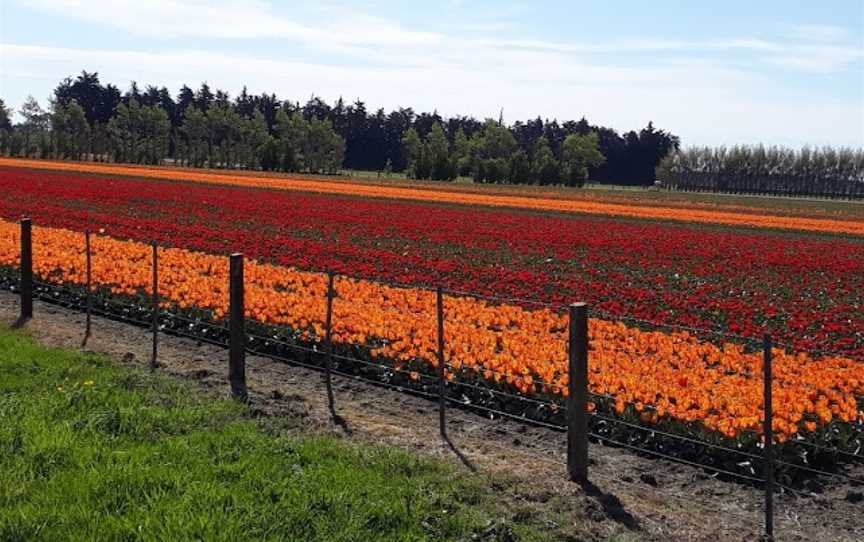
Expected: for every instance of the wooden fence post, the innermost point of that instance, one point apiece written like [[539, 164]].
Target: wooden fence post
[[442, 380], [26, 262], [768, 431], [577, 396], [155, 307], [89, 275], [237, 347], [328, 339]]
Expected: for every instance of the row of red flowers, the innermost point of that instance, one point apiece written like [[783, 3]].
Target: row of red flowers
[[808, 289]]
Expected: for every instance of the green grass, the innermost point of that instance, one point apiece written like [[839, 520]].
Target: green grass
[[91, 451]]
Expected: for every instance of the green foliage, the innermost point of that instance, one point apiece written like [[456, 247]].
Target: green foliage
[[34, 130], [209, 129], [462, 152], [578, 153], [69, 129], [5, 117], [430, 158], [139, 134], [89, 451], [438, 150], [519, 168], [308, 145], [544, 167], [760, 169], [495, 141], [268, 153], [197, 147]]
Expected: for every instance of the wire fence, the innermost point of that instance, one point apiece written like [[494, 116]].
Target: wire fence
[[504, 361]]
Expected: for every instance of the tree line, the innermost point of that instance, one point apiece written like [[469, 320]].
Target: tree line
[[86, 119], [757, 169], [493, 155]]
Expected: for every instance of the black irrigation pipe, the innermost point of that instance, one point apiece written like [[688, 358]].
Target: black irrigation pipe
[[75, 301], [827, 449], [116, 316], [675, 459], [648, 406], [676, 437], [806, 444], [47, 297], [469, 405], [486, 389], [310, 366], [454, 384], [789, 444], [279, 342], [385, 367], [197, 322], [198, 338], [820, 472], [501, 413], [319, 368]]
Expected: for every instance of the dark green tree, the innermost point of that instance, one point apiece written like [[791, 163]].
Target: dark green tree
[[578, 153], [544, 167]]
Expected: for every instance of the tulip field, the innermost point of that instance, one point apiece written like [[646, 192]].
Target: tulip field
[[675, 293]]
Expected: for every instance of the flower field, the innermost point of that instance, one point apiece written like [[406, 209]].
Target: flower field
[[686, 211], [807, 290], [676, 375]]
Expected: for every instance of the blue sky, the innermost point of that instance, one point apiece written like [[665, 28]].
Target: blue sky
[[779, 72]]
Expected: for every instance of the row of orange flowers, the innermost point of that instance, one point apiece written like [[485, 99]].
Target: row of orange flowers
[[675, 375], [443, 195]]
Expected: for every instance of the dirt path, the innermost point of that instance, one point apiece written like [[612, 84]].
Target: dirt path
[[646, 499]]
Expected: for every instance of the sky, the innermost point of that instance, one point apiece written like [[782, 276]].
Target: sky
[[784, 72]]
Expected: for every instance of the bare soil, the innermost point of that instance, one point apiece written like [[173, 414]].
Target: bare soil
[[630, 498]]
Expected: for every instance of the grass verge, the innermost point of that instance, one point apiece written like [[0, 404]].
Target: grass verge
[[92, 451]]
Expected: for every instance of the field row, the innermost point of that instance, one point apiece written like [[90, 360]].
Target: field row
[[806, 290], [585, 206], [667, 376]]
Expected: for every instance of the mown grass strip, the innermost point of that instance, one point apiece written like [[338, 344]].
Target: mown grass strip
[[91, 451]]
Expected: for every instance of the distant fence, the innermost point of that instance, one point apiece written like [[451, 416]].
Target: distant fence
[[773, 185], [566, 411]]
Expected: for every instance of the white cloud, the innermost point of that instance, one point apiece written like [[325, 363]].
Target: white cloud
[[347, 31], [817, 60], [818, 32], [702, 103], [231, 19], [731, 92], [176, 18]]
